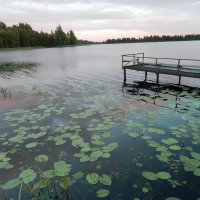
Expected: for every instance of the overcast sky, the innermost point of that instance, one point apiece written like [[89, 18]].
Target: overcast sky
[[101, 19]]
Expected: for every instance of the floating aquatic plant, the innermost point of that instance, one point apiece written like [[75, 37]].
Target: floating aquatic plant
[[41, 158], [155, 176], [93, 178], [102, 193]]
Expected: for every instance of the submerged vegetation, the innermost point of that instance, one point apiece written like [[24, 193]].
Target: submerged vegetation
[[14, 66]]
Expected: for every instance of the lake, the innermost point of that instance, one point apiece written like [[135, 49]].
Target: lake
[[69, 130]]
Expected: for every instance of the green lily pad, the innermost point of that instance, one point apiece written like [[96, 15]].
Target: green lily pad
[[133, 134], [62, 168], [145, 190], [150, 176], [172, 198], [163, 175], [153, 143], [78, 175], [11, 184], [169, 141], [161, 148], [110, 147], [31, 145], [96, 154], [106, 155], [102, 193], [84, 158], [197, 172], [106, 180], [156, 130], [175, 147], [93, 178], [162, 158], [48, 174], [41, 158], [196, 155], [27, 176]]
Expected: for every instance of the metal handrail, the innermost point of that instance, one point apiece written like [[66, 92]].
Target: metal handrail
[[170, 58], [154, 58], [132, 54]]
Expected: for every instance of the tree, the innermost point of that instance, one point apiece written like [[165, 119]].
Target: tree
[[2, 25], [72, 38], [60, 36]]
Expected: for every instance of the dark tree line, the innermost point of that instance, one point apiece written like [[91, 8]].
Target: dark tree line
[[155, 38], [22, 35]]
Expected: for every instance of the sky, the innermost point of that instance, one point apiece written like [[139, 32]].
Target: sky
[[98, 20]]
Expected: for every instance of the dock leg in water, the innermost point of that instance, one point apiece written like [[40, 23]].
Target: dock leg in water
[[124, 76], [157, 80], [179, 82], [145, 76]]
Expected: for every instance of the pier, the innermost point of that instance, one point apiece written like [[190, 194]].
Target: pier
[[171, 66]]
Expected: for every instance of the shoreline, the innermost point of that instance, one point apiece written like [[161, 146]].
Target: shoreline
[[77, 45]]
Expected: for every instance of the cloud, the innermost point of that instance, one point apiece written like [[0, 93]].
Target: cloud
[[92, 16]]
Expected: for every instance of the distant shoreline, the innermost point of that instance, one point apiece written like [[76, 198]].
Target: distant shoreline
[[40, 47], [77, 45]]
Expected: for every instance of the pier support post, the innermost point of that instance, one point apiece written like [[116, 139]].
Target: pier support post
[[124, 76], [145, 76], [157, 80], [179, 81]]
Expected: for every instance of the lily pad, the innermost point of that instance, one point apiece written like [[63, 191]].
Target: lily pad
[[78, 175], [93, 178], [27, 176], [11, 184], [106, 180], [41, 158], [175, 147], [196, 155], [145, 190], [84, 158], [150, 176], [31, 145], [133, 134], [197, 172], [102, 193], [163, 175], [48, 174], [62, 168], [169, 141]]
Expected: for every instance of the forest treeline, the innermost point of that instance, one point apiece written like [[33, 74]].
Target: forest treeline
[[22, 35], [155, 38]]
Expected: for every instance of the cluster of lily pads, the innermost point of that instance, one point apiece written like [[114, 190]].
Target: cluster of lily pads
[[155, 176], [95, 178], [84, 128]]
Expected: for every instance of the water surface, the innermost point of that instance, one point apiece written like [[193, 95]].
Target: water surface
[[141, 142]]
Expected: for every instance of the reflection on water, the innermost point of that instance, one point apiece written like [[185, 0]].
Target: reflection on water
[[70, 128]]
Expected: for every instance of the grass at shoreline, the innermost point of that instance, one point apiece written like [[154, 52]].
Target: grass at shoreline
[[15, 66]]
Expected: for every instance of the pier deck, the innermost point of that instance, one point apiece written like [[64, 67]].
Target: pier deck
[[170, 66]]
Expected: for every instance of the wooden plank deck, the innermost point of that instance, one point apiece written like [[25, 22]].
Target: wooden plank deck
[[170, 66]]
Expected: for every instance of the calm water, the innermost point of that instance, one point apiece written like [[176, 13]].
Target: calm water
[[68, 122]]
